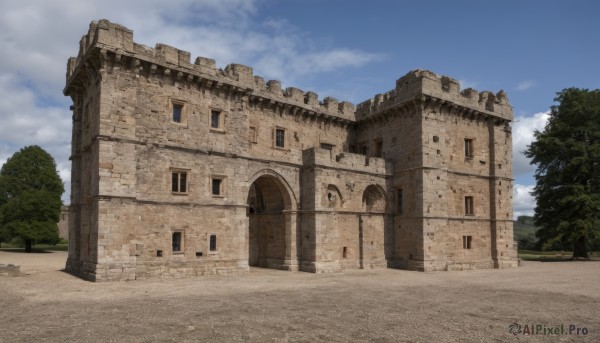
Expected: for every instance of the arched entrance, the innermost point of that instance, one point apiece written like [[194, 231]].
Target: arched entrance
[[371, 231], [272, 224]]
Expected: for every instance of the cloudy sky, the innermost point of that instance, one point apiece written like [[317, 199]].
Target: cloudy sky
[[348, 49]]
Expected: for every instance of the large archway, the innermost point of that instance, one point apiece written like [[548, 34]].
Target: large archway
[[271, 224]]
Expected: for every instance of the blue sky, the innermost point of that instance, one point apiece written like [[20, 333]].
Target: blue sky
[[348, 49]]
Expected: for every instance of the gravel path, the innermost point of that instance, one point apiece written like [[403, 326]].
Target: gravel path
[[387, 305]]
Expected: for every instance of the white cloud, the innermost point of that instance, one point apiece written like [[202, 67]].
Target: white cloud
[[525, 85], [523, 129], [464, 84], [37, 37], [5, 153], [25, 123], [523, 201]]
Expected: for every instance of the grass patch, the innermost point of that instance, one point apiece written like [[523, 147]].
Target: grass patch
[[548, 256], [552, 256]]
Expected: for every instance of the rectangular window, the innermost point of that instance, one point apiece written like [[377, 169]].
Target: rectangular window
[[468, 148], [252, 134], [179, 182], [213, 243], [215, 119], [469, 211], [177, 241], [467, 242], [327, 146], [399, 201], [177, 113], [379, 148], [216, 186], [364, 149], [345, 252], [280, 138]]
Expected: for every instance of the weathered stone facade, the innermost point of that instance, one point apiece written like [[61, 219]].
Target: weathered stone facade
[[182, 169]]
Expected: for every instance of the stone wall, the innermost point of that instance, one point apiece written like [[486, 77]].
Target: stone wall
[[183, 169], [63, 223], [348, 205]]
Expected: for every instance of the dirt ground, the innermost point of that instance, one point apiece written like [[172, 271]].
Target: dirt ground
[[49, 305]]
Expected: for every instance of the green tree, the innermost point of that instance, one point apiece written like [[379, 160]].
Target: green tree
[[30, 191], [567, 154]]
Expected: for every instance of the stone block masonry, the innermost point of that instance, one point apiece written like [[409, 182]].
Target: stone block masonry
[[182, 169]]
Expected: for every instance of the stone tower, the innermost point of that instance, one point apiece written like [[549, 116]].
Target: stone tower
[[452, 176]]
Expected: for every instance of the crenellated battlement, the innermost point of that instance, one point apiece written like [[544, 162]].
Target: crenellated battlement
[[117, 41], [422, 84]]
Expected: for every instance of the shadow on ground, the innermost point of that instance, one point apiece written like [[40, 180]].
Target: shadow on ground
[[22, 250]]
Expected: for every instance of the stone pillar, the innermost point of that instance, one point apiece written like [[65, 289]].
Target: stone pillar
[[361, 243], [291, 252]]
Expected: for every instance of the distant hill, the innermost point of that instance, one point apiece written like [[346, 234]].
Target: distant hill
[[523, 227]]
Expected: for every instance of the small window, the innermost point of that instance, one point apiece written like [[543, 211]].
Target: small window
[[217, 185], [364, 149], [469, 211], [213, 243], [177, 113], [177, 241], [327, 146], [345, 252], [179, 182], [467, 242], [252, 134], [399, 201], [280, 138], [215, 120], [468, 148], [379, 148]]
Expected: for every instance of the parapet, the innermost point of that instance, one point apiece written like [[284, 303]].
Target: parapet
[[419, 83], [415, 85], [309, 100], [117, 39], [316, 156]]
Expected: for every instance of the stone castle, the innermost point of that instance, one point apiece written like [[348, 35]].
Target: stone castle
[[182, 169]]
